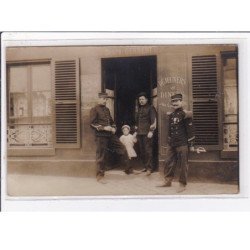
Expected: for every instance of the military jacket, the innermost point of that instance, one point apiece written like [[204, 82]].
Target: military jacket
[[99, 118], [181, 129], [145, 119]]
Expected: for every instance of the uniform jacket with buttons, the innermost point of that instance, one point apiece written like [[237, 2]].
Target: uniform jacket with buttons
[[145, 119], [181, 129], [99, 118]]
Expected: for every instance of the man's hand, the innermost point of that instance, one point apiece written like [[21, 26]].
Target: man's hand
[[197, 150], [113, 130], [200, 150], [108, 128], [150, 134], [188, 114]]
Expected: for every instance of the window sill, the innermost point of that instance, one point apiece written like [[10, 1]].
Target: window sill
[[229, 154], [31, 151]]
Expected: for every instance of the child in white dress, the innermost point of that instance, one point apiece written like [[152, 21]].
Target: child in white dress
[[129, 140]]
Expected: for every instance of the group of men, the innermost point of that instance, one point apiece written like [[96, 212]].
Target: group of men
[[180, 137]]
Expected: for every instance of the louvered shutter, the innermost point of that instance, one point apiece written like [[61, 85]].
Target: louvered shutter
[[66, 103], [205, 91]]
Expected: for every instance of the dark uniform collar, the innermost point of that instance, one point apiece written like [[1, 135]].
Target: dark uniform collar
[[179, 109], [146, 105]]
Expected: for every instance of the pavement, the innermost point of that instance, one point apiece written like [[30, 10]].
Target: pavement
[[117, 184]]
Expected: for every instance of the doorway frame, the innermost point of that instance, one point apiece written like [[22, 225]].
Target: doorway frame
[[152, 95], [103, 73]]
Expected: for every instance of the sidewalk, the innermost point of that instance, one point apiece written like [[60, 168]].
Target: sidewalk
[[118, 183]]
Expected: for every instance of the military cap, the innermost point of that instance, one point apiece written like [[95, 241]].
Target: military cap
[[142, 94], [126, 126], [102, 95], [176, 97]]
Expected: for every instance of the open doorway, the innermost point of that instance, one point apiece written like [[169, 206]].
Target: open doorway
[[123, 79]]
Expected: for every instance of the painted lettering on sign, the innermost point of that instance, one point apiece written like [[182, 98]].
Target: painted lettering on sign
[[168, 86], [171, 80], [135, 51]]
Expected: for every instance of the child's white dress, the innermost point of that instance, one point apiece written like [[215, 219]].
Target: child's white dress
[[128, 141]]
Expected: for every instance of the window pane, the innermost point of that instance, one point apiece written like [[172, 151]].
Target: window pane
[[41, 103], [41, 93], [230, 89], [41, 77], [18, 98], [18, 79], [18, 105]]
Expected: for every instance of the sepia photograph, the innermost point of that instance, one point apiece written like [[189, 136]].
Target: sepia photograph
[[122, 117], [113, 120]]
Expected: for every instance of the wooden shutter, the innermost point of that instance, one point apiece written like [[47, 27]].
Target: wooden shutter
[[205, 100], [67, 102]]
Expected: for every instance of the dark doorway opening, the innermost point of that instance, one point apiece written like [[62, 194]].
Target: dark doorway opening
[[125, 78]]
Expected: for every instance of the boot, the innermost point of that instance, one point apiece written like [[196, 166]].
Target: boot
[[182, 188], [100, 179], [167, 183], [135, 172]]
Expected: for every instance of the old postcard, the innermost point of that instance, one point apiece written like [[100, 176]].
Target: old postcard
[[110, 119]]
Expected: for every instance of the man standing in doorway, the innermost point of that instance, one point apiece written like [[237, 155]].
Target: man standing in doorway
[[106, 140], [145, 125]]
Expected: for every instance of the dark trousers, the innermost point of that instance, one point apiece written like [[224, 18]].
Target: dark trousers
[[177, 156], [106, 145], [146, 151]]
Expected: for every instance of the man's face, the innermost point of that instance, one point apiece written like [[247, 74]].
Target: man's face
[[176, 104], [143, 100], [102, 101]]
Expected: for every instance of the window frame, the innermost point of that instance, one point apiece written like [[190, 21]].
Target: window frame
[[29, 151], [224, 55]]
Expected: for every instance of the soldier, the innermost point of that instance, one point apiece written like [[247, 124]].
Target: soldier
[[145, 125], [106, 140], [180, 136]]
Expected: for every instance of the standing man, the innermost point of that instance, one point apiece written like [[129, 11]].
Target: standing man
[[180, 136], [145, 125], [106, 140]]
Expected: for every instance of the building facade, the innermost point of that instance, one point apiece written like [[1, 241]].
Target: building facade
[[50, 91]]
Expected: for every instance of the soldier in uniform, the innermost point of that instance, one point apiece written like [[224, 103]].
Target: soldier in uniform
[[180, 136], [145, 125], [106, 140]]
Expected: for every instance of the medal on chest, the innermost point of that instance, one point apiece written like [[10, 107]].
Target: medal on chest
[[176, 120]]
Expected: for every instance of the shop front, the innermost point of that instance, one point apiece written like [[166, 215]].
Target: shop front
[[50, 91]]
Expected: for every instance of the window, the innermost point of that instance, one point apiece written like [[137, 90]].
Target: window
[[230, 84], [29, 105]]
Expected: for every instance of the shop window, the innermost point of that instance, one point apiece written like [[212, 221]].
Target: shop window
[[29, 105]]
